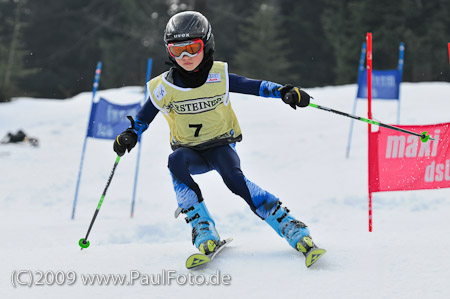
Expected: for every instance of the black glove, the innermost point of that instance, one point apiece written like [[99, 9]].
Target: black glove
[[126, 140], [294, 96]]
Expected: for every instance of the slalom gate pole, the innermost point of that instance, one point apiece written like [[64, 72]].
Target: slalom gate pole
[[362, 58], [423, 136], [98, 72], [369, 116], [147, 78], [401, 62], [84, 243]]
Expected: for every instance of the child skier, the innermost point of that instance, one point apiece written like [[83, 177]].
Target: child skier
[[194, 98]]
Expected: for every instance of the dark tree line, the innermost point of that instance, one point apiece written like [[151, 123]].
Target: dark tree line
[[50, 48]]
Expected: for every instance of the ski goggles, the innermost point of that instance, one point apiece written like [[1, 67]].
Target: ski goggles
[[190, 48]]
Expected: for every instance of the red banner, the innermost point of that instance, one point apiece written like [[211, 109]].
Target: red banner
[[399, 161]]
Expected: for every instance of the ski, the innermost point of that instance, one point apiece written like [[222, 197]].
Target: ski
[[313, 256], [198, 259]]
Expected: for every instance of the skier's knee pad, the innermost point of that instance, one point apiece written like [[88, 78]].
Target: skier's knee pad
[[175, 159]]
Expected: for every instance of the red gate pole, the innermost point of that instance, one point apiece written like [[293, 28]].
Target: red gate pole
[[448, 52], [369, 113]]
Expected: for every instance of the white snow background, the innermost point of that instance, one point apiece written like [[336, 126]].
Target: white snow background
[[297, 155]]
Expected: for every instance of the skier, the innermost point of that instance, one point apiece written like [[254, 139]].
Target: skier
[[194, 98], [19, 137]]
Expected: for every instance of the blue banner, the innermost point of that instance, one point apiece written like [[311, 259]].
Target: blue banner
[[385, 84], [108, 120]]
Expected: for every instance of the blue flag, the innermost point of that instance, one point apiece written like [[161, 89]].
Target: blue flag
[[385, 84], [108, 120]]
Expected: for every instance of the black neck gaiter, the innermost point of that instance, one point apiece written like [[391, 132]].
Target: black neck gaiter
[[197, 77]]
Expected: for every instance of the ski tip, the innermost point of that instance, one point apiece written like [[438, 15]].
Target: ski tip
[[313, 256], [196, 259], [83, 243]]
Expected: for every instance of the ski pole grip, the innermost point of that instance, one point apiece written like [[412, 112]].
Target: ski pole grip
[[130, 118]]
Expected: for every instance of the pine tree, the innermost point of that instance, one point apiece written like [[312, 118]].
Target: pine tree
[[263, 51], [345, 36], [12, 55], [312, 60], [136, 28]]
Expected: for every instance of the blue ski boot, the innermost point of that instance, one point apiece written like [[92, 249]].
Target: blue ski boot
[[295, 232], [204, 234]]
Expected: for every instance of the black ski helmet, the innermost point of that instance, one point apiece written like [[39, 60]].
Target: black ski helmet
[[188, 25]]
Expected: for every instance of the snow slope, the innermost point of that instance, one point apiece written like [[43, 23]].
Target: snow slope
[[297, 155]]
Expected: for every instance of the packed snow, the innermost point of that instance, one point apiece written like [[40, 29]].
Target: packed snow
[[298, 155]]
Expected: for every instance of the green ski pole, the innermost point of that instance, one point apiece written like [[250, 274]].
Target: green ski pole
[[84, 243], [424, 137]]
